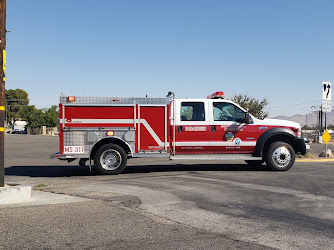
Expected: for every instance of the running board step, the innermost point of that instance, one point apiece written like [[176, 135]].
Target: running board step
[[215, 157], [150, 155]]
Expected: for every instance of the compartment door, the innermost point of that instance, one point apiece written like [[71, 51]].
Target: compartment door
[[192, 130], [229, 132], [152, 133]]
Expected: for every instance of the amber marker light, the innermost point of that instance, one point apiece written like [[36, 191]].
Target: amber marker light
[[110, 133]]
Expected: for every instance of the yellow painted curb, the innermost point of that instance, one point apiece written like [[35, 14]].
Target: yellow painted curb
[[315, 160]]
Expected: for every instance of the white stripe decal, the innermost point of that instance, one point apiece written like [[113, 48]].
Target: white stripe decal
[[152, 133], [194, 143], [215, 143], [95, 121], [223, 143]]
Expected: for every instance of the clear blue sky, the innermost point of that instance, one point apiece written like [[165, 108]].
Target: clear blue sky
[[278, 49]]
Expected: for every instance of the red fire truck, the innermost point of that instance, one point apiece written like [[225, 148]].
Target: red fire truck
[[109, 130]]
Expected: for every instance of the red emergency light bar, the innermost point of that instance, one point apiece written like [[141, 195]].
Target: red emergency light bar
[[71, 98], [217, 95]]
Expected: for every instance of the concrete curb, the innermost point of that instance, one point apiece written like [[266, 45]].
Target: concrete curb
[[46, 198], [15, 194], [315, 160]]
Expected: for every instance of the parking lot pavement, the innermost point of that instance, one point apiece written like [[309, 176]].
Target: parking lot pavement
[[159, 204], [101, 225]]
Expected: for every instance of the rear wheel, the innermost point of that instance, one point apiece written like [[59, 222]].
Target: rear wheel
[[280, 156], [110, 159]]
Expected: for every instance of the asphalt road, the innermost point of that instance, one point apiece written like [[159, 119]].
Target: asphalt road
[[157, 204]]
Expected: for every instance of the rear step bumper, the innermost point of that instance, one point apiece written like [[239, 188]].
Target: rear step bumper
[[67, 157]]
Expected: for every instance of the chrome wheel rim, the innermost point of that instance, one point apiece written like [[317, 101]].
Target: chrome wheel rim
[[110, 159], [281, 157]]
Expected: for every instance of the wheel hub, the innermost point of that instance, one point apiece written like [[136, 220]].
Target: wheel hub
[[110, 159], [281, 156]]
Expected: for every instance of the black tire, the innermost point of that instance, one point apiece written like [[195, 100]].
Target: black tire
[[254, 163], [281, 156], [110, 159]]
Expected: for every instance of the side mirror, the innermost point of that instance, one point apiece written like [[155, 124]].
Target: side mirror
[[248, 118]]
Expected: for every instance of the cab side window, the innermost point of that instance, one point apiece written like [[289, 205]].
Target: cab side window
[[192, 111], [224, 111]]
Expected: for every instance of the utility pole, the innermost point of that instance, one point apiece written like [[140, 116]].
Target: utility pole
[[2, 89]]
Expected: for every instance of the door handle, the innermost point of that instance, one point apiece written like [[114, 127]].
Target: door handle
[[213, 128], [179, 128]]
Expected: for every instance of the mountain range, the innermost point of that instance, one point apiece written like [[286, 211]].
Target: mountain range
[[309, 119]]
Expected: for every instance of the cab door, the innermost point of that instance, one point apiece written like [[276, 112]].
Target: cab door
[[192, 130], [229, 131]]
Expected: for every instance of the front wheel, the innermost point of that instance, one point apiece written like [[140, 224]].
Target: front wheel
[[110, 159], [280, 156]]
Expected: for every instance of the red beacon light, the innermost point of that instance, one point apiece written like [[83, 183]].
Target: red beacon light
[[217, 95], [71, 98]]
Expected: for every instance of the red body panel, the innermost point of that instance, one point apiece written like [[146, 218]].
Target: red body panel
[[192, 139], [95, 116], [246, 133], [151, 122], [153, 128]]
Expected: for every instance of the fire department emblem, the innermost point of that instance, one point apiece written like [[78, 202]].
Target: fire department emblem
[[237, 141], [229, 136]]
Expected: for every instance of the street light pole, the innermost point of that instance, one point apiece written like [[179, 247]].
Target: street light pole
[[2, 89]]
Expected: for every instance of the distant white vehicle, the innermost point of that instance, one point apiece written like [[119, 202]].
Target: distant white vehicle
[[19, 126], [16, 131]]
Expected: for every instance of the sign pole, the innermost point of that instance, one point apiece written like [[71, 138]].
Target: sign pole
[[326, 130], [326, 150], [2, 89], [326, 107]]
